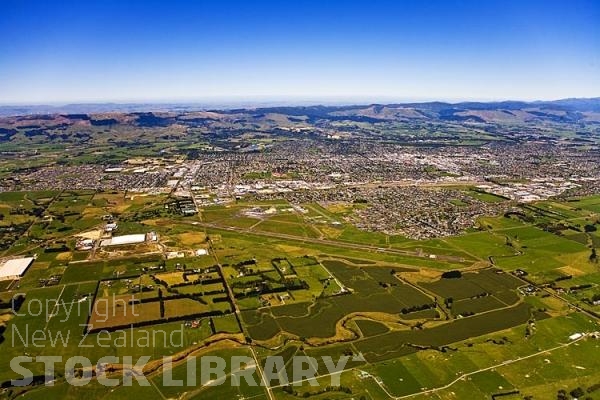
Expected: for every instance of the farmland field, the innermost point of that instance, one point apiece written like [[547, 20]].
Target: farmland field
[[393, 344], [371, 328], [406, 319]]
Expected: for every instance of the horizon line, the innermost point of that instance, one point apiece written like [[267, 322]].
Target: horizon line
[[290, 100]]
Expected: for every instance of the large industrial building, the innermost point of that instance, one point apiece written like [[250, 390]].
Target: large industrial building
[[15, 268], [124, 239]]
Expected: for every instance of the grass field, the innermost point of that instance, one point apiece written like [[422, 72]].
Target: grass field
[[415, 329]]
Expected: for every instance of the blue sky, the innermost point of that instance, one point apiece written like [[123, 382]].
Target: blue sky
[[89, 51]]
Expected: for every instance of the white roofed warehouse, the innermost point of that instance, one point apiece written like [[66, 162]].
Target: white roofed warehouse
[[15, 268], [124, 240]]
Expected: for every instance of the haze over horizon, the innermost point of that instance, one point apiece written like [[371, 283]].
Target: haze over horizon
[[71, 52]]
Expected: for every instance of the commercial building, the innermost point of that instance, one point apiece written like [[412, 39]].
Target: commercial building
[[15, 268], [124, 239]]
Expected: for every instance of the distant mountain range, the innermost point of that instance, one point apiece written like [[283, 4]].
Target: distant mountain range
[[561, 111], [572, 104]]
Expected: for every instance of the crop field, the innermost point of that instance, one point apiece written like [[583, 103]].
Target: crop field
[[371, 328], [184, 307], [477, 305], [537, 375], [118, 302], [291, 310], [171, 278], [108, 315], [454, 288], [473, 284], [377, 290], [394, 344], [261, 326], [225, 324], [416, 328], [96, 270], [386, 295], [278, 281]]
